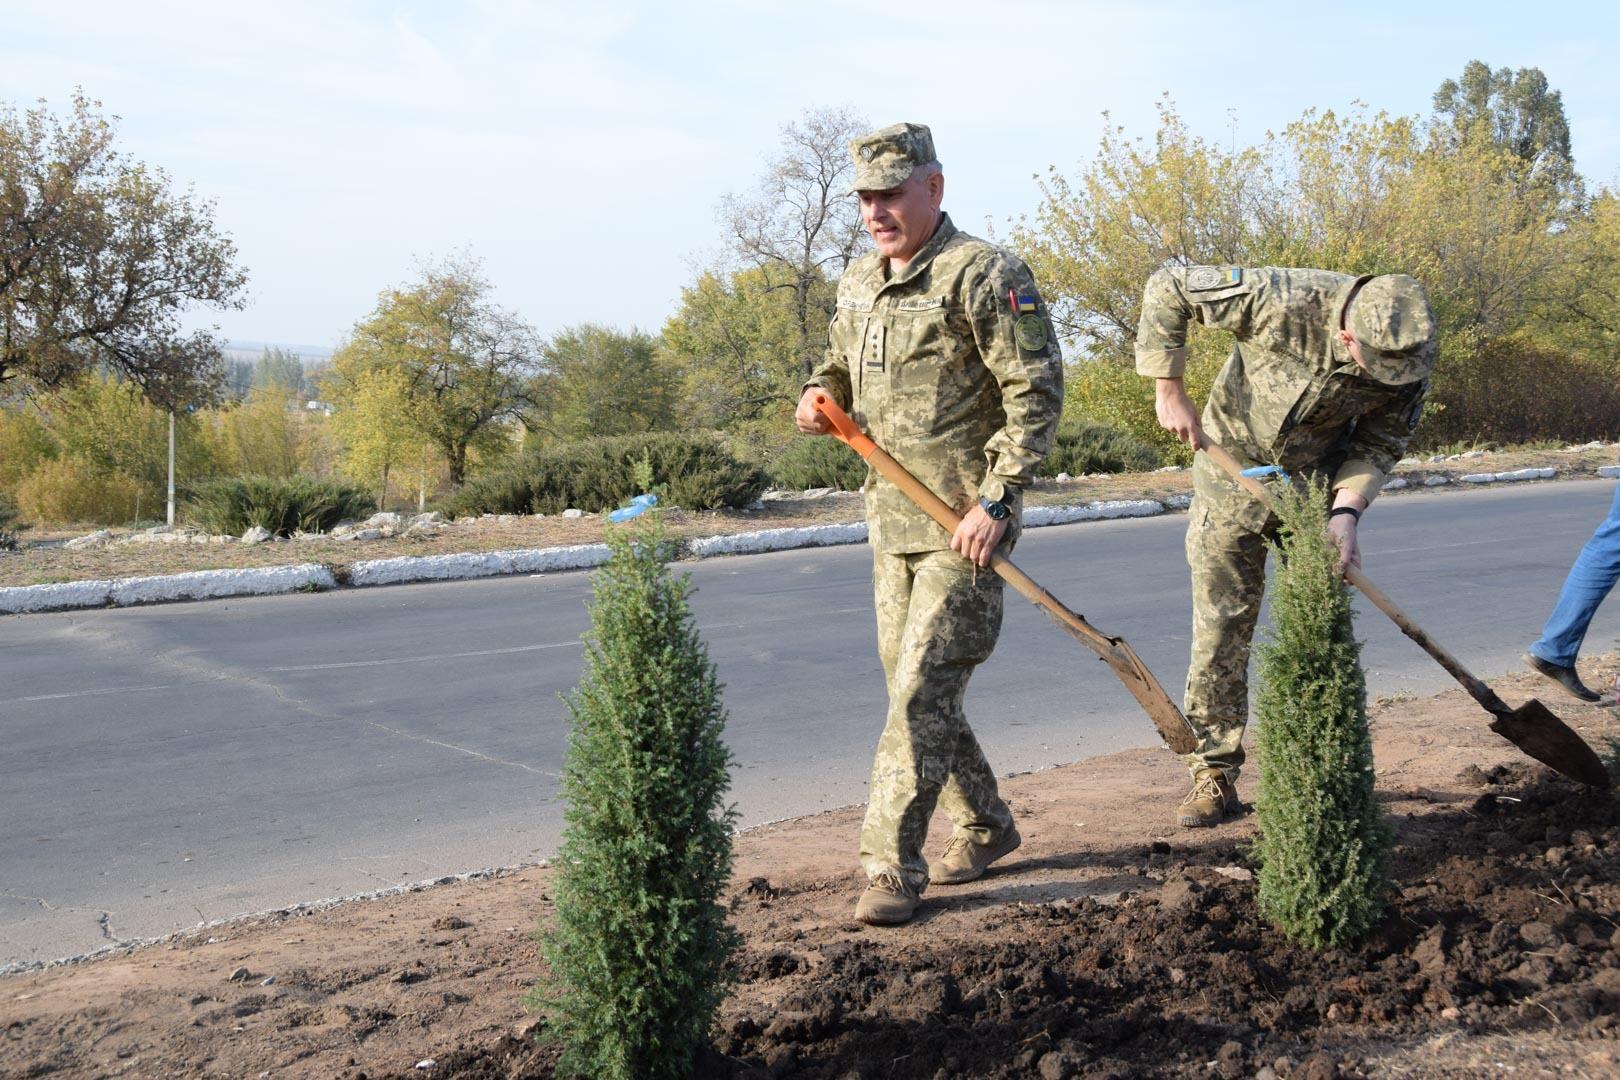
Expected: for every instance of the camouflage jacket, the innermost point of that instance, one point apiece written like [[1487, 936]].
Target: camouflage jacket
[[1289, 393], [940, 369]]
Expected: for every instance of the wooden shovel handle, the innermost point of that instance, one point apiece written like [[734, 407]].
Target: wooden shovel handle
[[1477, 689], [1116, 652]]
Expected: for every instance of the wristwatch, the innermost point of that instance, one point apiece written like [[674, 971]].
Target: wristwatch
[[998, 511]]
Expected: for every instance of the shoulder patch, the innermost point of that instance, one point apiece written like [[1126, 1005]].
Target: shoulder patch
[[1204, 278], [1030, 332]]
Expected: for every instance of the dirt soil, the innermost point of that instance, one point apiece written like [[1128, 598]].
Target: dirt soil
[[1112, 944], [37, 565]]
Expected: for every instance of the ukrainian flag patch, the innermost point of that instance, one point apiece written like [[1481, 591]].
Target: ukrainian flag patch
[[1021, 303]]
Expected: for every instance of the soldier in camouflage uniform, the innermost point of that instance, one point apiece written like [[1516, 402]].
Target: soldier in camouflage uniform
[[941, 349], [1327, 378]]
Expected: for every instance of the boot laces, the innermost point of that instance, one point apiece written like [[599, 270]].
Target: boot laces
[[1208, 786]]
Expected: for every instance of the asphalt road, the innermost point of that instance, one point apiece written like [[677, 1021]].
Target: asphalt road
[[167, 765]]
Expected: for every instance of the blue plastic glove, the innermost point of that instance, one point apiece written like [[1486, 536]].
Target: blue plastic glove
[[638, 505]]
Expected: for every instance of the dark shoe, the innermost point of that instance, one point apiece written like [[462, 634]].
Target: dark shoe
[[966, 861], [1212, 798], [1563, 676], [886, 902]]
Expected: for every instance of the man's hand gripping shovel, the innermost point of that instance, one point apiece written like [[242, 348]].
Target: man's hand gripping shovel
[[1532, 727], [1116, 652]]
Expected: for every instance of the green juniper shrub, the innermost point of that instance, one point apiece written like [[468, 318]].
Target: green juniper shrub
[[1081, 447], [284, 505], [638, 949], [505, 490], [1324, 846], [817, 462], [696, 469]]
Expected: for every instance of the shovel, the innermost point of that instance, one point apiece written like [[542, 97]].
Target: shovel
[[1116, 652], [1532, 727]]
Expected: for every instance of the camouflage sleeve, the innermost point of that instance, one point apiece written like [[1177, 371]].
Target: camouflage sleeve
[[1224, 297], [1378, 441], [1021, 351], [832, 374]]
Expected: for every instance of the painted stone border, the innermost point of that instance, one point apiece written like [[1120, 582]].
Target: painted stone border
[[161, 588]]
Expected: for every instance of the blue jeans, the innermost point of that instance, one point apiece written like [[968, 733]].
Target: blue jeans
[[1596, 569]]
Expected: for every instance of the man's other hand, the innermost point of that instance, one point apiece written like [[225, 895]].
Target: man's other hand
[[977, 536], [811, 420], [1343, 530], [1176, 413]]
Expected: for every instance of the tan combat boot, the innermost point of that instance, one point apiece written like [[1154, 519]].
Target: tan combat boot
[[886, 902], [1212, 798], [965, 860]]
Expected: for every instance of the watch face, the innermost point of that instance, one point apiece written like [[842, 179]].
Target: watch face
[[998, 511]]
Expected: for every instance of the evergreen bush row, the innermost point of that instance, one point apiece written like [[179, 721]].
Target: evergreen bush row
[[1082, 447], [8, 523], [1079, 447], [693, 471], [816, 461], [283, 505]]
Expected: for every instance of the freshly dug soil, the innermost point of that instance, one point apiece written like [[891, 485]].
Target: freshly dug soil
[[1111, 944], [1506, 922]]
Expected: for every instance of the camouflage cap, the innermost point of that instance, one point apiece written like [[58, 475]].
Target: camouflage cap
[[1394, 325], [885, 158]]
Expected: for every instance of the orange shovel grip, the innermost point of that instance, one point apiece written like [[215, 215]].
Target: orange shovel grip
[[843, 427]]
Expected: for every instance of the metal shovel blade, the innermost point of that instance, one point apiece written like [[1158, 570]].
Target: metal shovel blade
[[1533, 728]]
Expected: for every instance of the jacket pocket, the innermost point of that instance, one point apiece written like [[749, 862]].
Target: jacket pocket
[[928, 370]]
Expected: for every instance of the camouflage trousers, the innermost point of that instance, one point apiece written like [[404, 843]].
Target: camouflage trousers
[[1227, 535], [937, 620], [1227, 530]]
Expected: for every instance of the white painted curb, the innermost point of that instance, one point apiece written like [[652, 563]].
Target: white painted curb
[[852, 532], [1036, 517], [1509, 477], [195, 585], [408, 568]]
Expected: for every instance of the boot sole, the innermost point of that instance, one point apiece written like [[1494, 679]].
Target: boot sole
[[871, 920], [1231, 811]]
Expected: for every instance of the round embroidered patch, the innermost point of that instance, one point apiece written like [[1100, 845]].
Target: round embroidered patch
[[1030, 332]]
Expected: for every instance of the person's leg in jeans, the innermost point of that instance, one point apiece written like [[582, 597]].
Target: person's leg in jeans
[[1596, 570]]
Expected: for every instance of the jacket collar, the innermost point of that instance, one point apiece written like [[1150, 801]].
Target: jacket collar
[[925, 254]]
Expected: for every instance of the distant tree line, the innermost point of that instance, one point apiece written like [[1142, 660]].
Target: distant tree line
[[1481, 200]]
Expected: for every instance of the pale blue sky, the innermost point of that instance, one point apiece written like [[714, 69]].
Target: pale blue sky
[[580, 149]]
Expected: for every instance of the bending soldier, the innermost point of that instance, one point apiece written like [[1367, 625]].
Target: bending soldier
[[942, 350], [1327, 378]]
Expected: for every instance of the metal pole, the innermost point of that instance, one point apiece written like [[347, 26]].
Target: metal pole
[[170, 518]]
